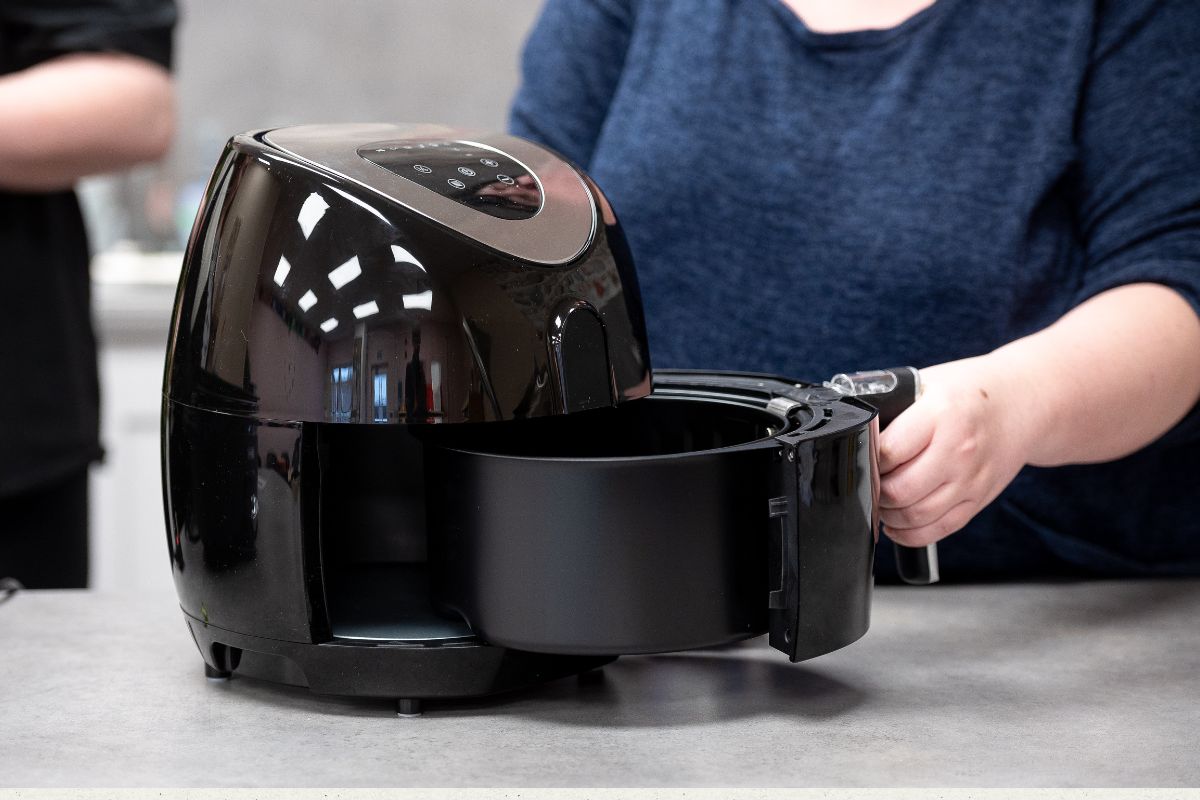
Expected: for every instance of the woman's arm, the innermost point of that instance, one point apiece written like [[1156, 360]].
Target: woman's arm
[[1108, 378], [81, 114], [1123, 366], [570, 70]]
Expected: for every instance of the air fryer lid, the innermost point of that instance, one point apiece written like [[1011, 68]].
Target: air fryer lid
[[437, 171], [386, 274]]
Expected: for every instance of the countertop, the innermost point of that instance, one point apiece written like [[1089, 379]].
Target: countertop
[[1072, 684]]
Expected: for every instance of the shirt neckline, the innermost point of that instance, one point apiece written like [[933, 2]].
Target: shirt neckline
[[863, 38]]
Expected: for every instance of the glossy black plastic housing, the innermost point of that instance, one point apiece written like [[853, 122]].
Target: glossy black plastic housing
[[323, 532], [308, 296]]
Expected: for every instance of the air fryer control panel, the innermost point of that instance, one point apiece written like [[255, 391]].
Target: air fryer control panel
[[479, 177]]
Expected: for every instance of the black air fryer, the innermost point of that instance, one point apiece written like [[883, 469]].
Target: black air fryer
[[412, 447]]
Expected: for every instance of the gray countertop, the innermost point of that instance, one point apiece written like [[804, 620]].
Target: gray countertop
[[1033, 684]]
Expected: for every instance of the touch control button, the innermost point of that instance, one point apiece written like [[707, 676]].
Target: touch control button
[[467, 171], [456, 183], [489, 162], [505, 179], [421, 168]]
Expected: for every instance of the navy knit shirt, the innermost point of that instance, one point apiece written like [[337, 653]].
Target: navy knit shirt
[[805, 203]]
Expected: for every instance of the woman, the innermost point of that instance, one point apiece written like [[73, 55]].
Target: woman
[[1007, 192]]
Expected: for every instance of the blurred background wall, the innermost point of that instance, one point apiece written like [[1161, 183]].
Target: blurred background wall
[[243, 65]]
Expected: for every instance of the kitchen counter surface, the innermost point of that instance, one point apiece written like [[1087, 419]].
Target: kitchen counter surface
[[1094, 684]]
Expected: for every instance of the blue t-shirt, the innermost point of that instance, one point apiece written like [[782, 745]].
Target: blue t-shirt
[[805, 203]]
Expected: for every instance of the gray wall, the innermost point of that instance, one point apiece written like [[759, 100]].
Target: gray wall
[[243, 64]]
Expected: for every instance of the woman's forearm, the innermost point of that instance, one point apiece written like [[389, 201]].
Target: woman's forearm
[[1109, 377], [81, 114]]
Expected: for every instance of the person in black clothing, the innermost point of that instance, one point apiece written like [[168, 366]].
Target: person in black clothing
[[416, 404], [84, 89]]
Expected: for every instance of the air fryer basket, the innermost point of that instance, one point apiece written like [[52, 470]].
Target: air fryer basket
[[668, 523]]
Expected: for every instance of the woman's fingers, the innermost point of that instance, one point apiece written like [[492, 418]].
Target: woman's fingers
[[954, 519], [914, 480], [950, 454], [925, 511]]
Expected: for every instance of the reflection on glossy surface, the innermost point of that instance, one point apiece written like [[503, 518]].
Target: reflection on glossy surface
[[306, 298], [235, 521], [416, 402]]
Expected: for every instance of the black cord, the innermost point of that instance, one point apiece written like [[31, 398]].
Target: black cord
[[9, 587]]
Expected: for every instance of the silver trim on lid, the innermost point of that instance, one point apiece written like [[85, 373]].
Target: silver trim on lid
[[558, 234]]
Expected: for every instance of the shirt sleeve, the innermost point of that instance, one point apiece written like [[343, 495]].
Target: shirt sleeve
[[1138, 139], [570, 71], [38, 30]]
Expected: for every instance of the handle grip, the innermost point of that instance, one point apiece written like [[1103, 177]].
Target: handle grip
[[891, 391]]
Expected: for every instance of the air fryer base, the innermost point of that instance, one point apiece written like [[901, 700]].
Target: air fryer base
[[402, 672], [556, 564]]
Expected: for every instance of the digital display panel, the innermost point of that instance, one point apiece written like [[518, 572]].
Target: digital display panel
[[479, 177]]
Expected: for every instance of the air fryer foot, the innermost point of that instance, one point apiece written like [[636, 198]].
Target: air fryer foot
[[214, 674], [408, 707]]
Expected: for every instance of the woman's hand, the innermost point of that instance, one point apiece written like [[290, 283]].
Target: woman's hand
[[1109, 377], [953, 451]]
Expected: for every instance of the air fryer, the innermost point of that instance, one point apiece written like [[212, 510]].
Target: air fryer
[[413, 447]]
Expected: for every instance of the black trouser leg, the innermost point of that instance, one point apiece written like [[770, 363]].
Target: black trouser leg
[[44, 535]]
